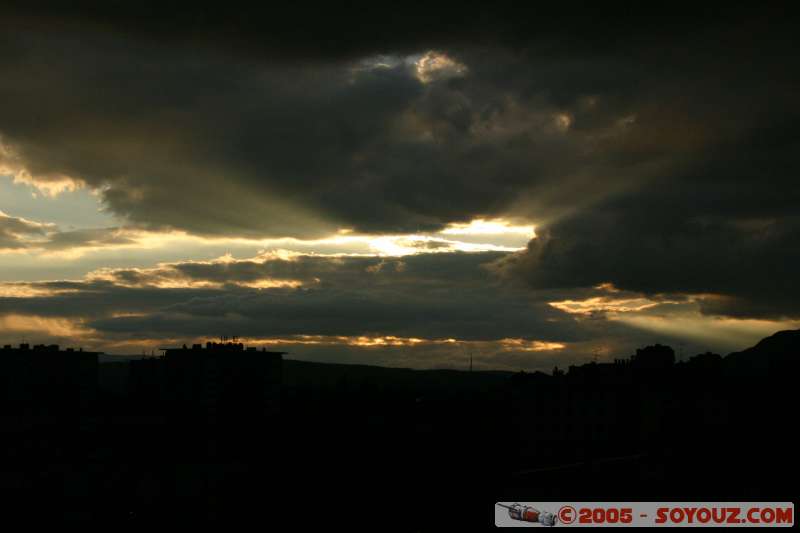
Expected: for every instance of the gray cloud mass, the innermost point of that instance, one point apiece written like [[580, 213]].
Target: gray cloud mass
[[653, 154]]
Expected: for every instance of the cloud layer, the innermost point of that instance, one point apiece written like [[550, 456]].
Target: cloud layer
[[213, 142], [654, 154]]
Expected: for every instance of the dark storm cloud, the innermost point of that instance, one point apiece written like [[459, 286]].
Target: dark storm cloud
[[719, 217], [95, 299], [434, 296], [202, 139], [353, 29], [654, 154], [663, 242], [723, 220], [279, 312], [451, 269]]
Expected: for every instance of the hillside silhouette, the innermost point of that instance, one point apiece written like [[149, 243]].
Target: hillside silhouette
[[770, 357], [226, 433]]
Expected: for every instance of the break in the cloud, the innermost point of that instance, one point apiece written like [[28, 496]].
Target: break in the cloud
[[654, 157], [47, 240]]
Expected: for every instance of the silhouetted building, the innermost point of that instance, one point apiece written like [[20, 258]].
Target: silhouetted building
[[44, 379], [704, 366], [657, 357], [221, 383], [147, 381], [598, 407]]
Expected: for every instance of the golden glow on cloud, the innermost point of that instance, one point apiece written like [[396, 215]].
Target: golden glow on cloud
[[614, 301], [51, 185], [37, 325], [531, 346], [563, 121], [427, 67], [433, 66], [604, 304], [496, 226], [364, 341], [271, 284], [26, 290]]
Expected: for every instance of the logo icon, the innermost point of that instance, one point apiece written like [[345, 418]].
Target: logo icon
[[525, 513]]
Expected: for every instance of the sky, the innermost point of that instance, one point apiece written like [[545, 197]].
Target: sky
[[400, 185]]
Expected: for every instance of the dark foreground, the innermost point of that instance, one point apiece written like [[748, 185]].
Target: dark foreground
[[397, 449]]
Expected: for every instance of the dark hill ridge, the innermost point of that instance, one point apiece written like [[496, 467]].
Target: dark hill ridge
[[774, 354], [781, 343], [114, 372], [327, 374]]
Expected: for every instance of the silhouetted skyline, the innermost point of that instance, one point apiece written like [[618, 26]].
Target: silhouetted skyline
[[198, 433]]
